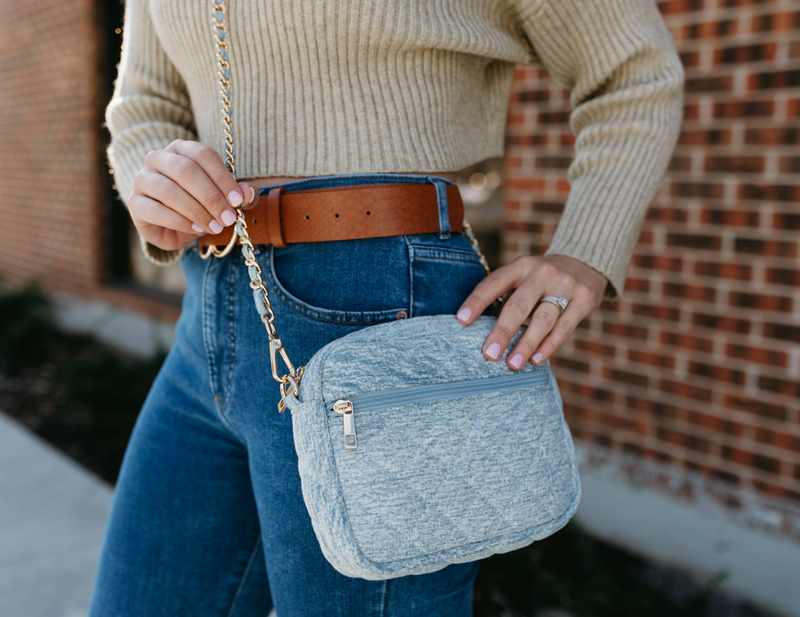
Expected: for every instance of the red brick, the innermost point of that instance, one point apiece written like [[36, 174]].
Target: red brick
[[737, 272], [778, 22], [770, 192], [704, 137], [690, 292], [771, 80], [719, 373], [783, 332], [742, 54], [721, 322], [762, 302], [786, 221], [735, 164], [709, 84], [686, 341], [710, 29], [686, 390], [695, 241], [757, 355], [772, 136], [768, 248]]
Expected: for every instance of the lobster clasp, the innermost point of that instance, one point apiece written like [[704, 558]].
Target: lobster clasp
[[289, 383]]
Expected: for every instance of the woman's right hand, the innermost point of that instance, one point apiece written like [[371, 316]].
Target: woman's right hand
[[184, 191]]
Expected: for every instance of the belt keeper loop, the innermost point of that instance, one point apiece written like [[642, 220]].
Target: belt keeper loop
[[274, 217], [441, 204]]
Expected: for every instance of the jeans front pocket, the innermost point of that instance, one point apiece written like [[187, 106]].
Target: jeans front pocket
[[349, 281]]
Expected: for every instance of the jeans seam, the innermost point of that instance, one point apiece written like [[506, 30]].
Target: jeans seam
[[245, 574], [207, 338], [410, 248], [385, 598], [231, 337]]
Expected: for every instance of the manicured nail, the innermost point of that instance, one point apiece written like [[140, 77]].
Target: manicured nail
[[196, 228], [253, 191], [215, 227], [235, 197], [493, 351], [516, 360], [228, 217], [464, 314], [537, 357]]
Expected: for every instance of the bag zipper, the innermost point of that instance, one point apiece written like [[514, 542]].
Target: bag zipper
[[370, 401]]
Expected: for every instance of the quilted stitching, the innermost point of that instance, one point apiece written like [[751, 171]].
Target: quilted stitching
[[424, 489]]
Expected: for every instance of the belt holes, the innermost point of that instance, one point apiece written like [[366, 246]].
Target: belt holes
[[255, 221], [336, 215], [306, 217], [368, 212]]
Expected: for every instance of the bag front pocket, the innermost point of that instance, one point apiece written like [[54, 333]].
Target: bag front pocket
[[420, 474]]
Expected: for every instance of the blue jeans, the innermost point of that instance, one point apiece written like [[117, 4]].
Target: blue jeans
[[208, 516]]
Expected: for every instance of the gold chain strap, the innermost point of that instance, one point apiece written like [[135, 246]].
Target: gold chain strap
[[290, 382]]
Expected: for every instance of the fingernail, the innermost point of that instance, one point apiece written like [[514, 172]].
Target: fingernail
[[253, 191], [537, 357], [215, 227], [493, 351], [196, 228], [228, 217], [235, 197], [516, 360], [464, 314]]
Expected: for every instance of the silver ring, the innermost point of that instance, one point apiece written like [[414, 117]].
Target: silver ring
[[561, 302]]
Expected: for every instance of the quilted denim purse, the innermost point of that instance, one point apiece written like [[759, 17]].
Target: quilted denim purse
[[432, 457]]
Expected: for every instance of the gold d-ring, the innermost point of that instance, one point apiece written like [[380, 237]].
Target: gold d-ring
[[212, 248]]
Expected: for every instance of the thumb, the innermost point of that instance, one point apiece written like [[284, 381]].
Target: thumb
[[251, 196]]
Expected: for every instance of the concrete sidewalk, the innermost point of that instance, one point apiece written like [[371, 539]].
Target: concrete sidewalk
[[52, 518]]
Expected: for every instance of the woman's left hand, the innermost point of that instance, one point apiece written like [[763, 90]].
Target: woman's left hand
[[533, 278]]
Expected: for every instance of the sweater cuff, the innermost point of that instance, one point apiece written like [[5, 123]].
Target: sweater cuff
[[159, 256], [126, 158]]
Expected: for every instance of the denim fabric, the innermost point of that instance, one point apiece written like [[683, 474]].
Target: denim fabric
[[430, 484], [208, 515]]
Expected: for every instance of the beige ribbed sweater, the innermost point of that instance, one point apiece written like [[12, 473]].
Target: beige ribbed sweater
[[342, 86]]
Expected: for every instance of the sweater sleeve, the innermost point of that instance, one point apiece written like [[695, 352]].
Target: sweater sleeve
[[626, 81], [150, 108]]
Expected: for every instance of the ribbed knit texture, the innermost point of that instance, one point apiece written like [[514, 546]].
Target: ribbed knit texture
[[322, 87]]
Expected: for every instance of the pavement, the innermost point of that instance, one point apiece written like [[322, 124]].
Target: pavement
[[52, 519]]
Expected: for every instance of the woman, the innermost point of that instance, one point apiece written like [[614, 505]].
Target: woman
[[208, 517]]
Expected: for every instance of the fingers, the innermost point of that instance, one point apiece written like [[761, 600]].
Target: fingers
[[493, 286], [159, 188], [544, 318], [515, 310], [251, 196], [533, 278], [199, 170], [565, 326], [152, 212]]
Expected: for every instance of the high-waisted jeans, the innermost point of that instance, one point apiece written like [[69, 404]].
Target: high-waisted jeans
[[208, 516]]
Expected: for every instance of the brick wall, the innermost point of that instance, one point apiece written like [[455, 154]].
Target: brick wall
[[698, 366], [51, 168]]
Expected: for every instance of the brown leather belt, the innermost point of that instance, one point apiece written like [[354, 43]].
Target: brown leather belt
[[345, 213]]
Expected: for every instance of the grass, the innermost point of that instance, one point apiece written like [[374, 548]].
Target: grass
[[84, 397]]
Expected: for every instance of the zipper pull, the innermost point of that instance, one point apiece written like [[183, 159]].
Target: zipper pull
[[345, 409]]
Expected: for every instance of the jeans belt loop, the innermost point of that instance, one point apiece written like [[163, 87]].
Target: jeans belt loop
[[441, 203]]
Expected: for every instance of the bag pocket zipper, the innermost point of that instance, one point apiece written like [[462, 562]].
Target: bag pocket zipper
[[370, 401]]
